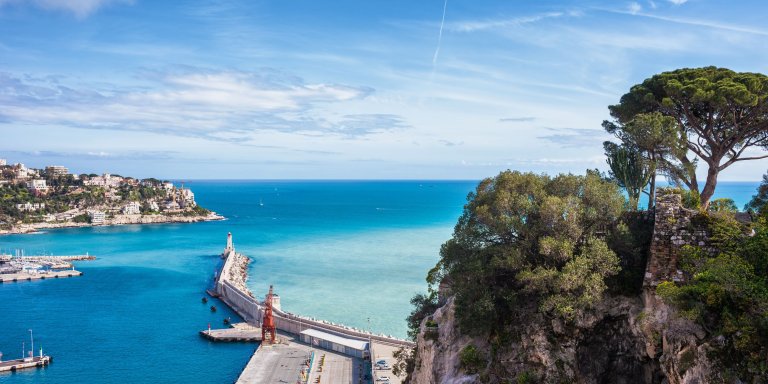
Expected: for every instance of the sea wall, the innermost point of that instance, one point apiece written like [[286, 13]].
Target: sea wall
[[232, 290]]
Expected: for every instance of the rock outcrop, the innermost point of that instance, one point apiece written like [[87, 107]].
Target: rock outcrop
[[605, 346], [116, 220], [438, 354], [622, 340]]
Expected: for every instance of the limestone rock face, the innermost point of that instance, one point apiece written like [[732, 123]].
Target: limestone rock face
[[623, 340], [438, 355], [604, 346]]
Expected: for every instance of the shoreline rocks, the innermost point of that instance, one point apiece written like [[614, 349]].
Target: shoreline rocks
[[117, 220]]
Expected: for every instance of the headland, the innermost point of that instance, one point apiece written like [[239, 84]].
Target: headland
[[39, 199]]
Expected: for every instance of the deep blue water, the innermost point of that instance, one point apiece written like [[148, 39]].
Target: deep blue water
[[338, 250], [342, 251]]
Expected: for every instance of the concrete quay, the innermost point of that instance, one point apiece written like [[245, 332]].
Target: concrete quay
[[23, 276], [277, 363], [19, 364], [294, 362], [242, 332]]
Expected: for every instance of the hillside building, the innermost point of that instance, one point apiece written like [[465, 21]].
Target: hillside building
[[132, 208], [56, 170], [30, 207], [105, 180], [97, 217], [37, 186]]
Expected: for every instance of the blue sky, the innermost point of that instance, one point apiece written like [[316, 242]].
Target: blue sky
[[344, 89]]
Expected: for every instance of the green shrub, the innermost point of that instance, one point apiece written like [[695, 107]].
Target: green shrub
[[471, 360], [723, 205], [84, 218], [525, 378], [528, 238]]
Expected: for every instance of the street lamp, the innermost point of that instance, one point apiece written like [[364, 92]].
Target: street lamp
[[32, 340]]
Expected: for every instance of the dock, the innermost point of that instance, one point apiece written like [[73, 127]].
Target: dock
[[19, 364], [22, 276], [239, 332]]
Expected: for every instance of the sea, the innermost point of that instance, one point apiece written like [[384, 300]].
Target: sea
[[351, 252]]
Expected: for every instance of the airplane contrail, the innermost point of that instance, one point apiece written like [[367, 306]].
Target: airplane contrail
[[440, 36]]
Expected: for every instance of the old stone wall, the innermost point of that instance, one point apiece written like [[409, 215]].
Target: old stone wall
[[673, 229]]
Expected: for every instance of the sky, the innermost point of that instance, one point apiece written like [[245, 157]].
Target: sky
[[375, 89]]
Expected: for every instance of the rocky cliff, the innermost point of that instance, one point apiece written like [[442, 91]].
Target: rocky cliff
[[607, 345], [637, 339]]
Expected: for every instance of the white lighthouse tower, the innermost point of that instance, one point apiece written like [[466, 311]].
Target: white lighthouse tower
[[230, 244]]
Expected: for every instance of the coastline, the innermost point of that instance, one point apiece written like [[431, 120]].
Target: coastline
[[117, 220]]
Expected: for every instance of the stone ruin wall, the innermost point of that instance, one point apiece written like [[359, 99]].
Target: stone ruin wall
[[672, 230]]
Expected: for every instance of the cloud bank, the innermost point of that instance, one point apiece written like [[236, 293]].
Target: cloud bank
[[216, 105]]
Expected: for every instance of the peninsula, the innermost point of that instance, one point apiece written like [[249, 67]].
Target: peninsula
[[34, 199]]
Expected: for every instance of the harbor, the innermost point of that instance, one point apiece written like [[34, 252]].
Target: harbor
[[27, 268], [139, 296], [285, 337]]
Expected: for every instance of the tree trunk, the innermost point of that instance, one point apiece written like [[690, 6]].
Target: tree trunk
[[652, 191], [691, 182], [709, 187]]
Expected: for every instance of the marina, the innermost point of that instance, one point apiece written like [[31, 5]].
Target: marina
[[27, 268]]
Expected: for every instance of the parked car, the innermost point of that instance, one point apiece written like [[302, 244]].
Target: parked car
[[384, 379]]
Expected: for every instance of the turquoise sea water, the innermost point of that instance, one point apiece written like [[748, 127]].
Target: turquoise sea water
[[342, 251]]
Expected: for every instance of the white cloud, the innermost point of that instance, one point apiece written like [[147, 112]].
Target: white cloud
[[706, 24], [80, 8], [479, 25], [217, 105], [634, 7], [678, 2]]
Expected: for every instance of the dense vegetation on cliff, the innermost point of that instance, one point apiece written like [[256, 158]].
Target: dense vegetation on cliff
[[726, 289], [553, 249], [528, 237]]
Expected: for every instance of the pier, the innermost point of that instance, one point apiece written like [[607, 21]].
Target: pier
[[242, 332], [349, 366], [24, 276], [19, 364]]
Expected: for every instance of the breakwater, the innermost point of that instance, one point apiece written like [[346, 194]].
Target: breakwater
[[230, 286]]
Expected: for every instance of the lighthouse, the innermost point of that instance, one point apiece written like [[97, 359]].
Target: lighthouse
[[230, 245]]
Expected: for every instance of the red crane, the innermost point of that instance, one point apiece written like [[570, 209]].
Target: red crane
[[268, 325]]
